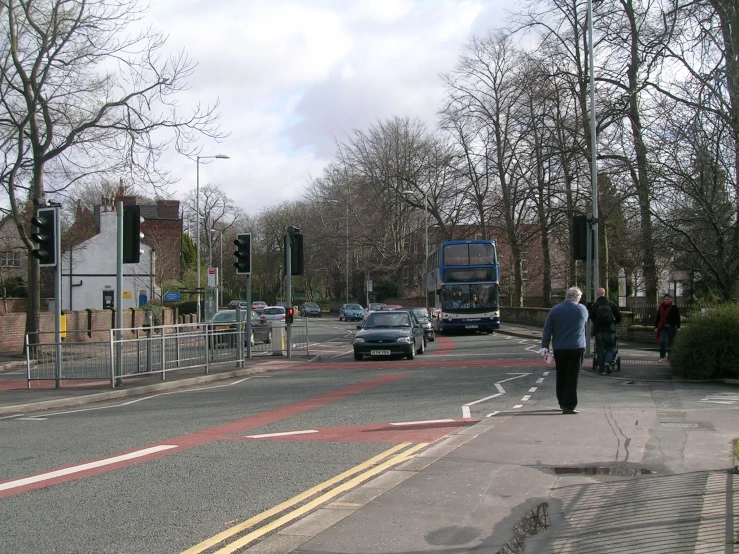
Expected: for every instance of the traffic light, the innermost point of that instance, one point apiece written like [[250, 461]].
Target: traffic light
[[296, 255], [580, 230], [45, 236], [132, 234], [289, 315], [243, 253]]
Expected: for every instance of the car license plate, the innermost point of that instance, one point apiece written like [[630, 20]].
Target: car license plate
[[470, 326], [379, 352]]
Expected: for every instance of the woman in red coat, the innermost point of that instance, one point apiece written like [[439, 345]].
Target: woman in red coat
[[666, 326]]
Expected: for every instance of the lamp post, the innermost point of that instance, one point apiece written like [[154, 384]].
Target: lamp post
[[424, 275], [197, 216], [347, 253], [220, 267], [347, 247]]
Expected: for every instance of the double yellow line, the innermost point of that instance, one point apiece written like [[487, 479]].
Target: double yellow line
[[370, 468]]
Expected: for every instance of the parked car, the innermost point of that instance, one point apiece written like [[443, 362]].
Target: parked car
[[240, 304], [389, 333], [272, 314], [351, 312], [310, 309], [224, 327], [258, 306], [372, 307], [422, 314]]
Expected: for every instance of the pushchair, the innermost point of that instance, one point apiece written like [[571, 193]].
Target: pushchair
[[616, 363]]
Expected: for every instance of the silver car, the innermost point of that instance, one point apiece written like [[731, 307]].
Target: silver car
[[272, 314]]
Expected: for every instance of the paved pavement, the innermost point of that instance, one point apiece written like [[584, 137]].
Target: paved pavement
[[616, 478]]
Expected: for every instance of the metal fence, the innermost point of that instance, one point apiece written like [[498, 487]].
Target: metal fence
[[153, 350]]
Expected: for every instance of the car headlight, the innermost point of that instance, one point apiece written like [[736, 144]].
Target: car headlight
[[404, 339], [427, 325], [358, 340]]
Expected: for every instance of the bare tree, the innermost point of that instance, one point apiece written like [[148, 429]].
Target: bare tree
[[81, 94]]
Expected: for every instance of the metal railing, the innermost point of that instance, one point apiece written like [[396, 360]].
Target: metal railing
[[154, 350]]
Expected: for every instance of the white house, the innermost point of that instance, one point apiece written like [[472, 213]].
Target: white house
[[89, 271]]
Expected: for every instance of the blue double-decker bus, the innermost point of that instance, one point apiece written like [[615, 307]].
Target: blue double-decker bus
[[463, 286]]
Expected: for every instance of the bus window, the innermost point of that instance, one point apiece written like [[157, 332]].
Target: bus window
[[481, 254], [456, 254]]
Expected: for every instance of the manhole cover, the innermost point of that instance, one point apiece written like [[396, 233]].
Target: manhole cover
[[597, 470], [679, 425]]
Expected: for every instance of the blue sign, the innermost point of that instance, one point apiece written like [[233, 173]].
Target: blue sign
[[171, 297]]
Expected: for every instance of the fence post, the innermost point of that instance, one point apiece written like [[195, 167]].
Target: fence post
[[164, 357], [112, 359], [147, 324]]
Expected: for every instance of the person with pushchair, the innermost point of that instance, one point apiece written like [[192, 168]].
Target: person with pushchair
[[605, 316]]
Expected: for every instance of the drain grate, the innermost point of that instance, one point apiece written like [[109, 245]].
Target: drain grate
[[599, 470], [679, 425]]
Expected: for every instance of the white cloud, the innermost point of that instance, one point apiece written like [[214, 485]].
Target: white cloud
[[292, 76]]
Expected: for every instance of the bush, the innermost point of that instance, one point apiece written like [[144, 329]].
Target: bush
[[708, 348], [157, 315], [187, 307]]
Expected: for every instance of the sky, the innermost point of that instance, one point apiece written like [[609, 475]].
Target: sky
[[295, 77]]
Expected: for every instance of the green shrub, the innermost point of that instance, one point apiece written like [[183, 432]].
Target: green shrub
[[708, 348], [157, 313], [187, 307]]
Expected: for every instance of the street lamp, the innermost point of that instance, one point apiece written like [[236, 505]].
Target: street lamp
[[424, 276], [197, 215], [220, 268], [347, 247]]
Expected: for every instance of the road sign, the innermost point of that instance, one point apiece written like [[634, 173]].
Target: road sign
[[211, 276], [171, 297], [369, 285]]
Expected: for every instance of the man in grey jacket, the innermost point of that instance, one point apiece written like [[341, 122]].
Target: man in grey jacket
[[565, 328]]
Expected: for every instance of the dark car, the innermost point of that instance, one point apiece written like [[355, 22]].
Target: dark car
[[310, 309], [422, 314], [351, 312], [388, 334], [224, 327]]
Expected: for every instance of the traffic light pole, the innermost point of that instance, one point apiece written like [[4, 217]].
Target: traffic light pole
[[288, 287], [588, 283], [119, 293], [249, 322], [58, 303]]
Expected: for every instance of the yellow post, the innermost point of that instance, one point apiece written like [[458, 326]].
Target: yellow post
[[63, 326]]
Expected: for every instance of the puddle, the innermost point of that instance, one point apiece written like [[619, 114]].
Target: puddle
[[619, 471], [534, 522]]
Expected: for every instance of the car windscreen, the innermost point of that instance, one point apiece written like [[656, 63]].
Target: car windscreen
[[420, 313], [378, 319], [310, 305], [353, 307], [273, 311]]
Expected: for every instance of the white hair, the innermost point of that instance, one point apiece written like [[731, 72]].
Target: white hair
[[574, 294]]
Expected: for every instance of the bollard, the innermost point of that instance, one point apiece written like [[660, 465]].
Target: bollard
[[278, 338]]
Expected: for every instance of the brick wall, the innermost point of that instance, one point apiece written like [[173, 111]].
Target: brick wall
[[87, 325]]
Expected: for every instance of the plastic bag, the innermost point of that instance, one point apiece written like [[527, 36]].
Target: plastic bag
[[544, 352]]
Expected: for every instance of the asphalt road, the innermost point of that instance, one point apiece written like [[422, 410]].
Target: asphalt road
[[164, 473]]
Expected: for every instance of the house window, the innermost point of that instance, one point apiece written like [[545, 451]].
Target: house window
[[10, 258]]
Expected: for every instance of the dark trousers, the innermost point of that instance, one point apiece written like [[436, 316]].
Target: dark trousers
[[666, 338], [568, 363], [605, 346]]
